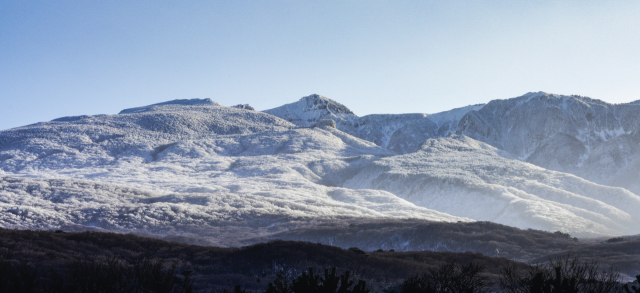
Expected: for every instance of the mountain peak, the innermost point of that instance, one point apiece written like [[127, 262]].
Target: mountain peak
[[316, 101], [310, 109]]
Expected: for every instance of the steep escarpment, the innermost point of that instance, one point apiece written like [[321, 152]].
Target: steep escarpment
[[582, 136]]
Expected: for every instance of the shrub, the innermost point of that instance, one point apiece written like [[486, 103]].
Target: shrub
[[111, 275], [280, 285], [448, 278], [309, 282], [633, 288], [357, 250], [563, 275], [236, 289], [616, 239]]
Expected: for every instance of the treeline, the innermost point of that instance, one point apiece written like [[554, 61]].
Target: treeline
[[112, 275], [42, 261], [217, 266], [564, 275]]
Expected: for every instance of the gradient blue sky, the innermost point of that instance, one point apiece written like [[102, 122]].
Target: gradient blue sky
[[65, 58]]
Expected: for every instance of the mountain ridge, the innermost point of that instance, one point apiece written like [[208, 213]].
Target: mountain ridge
[[228, 174], [573, 134]]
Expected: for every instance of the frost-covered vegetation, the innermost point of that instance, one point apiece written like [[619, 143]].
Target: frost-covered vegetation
[[197, 171]]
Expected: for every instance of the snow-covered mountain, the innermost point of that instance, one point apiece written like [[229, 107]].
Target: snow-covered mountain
[[585, 137], [401, 133], [462, 176], [195, 168], [311, 109], [582, 136]]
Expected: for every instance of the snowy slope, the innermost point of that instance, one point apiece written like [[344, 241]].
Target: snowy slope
[[311, 109], [202, 170], [573, 134], [103, 139], [195, 168], [401, 133], [461, 176], [586, 137]]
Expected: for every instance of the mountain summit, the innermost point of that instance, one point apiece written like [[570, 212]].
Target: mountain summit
[[579, 135], [311, 109]]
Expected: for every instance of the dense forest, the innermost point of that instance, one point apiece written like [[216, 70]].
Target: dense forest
[[88, 261]]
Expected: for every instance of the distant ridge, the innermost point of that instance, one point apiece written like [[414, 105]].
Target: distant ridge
[[189, 102]]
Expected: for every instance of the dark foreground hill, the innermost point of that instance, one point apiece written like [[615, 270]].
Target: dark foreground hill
[[488, 238], [256, 265], [252, 266]]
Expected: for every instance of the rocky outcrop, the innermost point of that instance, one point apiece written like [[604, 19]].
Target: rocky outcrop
[[244, 107]]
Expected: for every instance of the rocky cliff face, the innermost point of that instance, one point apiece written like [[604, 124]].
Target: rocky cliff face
[[579, 135]]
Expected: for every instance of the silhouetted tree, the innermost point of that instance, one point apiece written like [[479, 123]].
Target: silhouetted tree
[[633, 289], [236, 289], [563, 275], [280, 285], [309, 282], [357, 250], [448, 278], [76, 276]]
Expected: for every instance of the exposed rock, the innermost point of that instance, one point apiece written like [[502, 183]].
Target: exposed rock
[[244, 107], [189, 102], [326, 123]]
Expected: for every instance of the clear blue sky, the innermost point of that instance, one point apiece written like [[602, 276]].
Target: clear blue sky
[[65, 58]]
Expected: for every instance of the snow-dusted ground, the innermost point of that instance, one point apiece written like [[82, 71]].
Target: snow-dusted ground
[[401, 133], [461, 176], [194, 170], [585, 137], [198, 169]]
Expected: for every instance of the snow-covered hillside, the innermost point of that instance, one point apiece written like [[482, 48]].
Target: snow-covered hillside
[[311, 109], [586, 137], [461, 176], [197, 169], [401, 133], [202, 170]]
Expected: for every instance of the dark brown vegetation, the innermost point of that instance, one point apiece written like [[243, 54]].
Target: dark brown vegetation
[[561, 275], [416, 235], [450, 277], [621, 255], [253, 266], [490, 239], [310, 282], [34, 254], [112, 276], [631, 288]]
